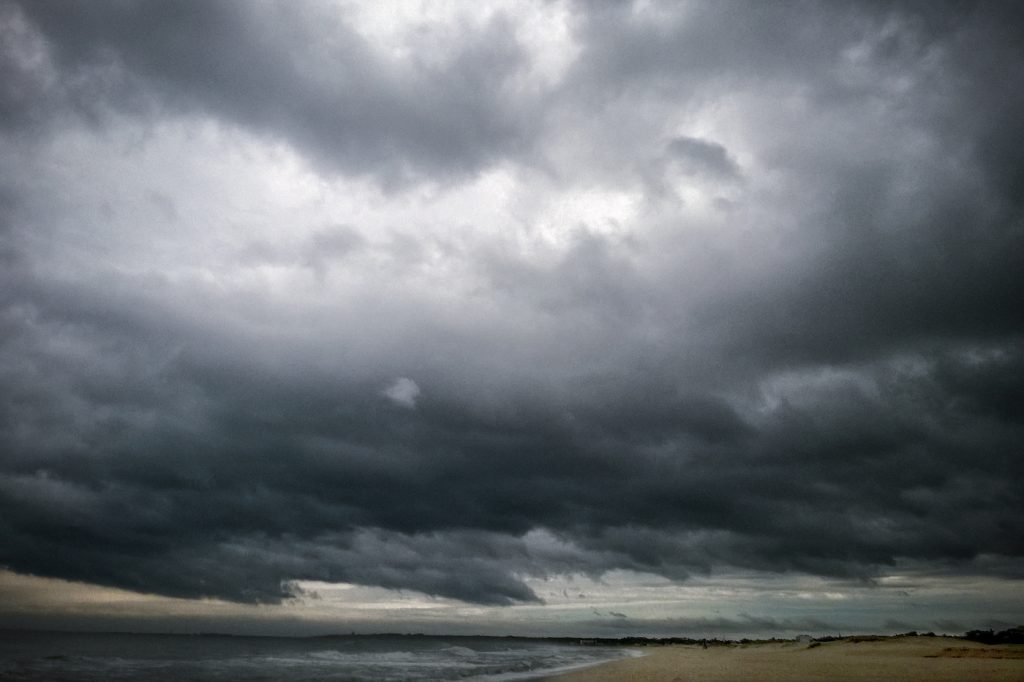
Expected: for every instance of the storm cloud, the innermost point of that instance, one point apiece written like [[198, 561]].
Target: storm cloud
[[533, 290]]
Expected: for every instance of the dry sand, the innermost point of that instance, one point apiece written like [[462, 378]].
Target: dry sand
[[900, 659]]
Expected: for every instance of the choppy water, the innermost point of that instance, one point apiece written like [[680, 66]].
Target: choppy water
[[70, 657]]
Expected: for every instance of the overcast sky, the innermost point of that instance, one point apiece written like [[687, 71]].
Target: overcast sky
[[513, 316]]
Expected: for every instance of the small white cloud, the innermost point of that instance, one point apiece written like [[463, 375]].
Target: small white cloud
[[403, 391]]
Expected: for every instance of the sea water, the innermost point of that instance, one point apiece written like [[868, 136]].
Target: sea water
[[112, 657]]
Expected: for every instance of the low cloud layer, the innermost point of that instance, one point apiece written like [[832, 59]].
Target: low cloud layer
[[301, 292]]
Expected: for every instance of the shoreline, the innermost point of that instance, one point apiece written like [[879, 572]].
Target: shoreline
[[900, 659], [629, 653]]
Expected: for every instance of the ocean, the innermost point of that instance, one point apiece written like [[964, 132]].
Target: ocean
[[92, 657]]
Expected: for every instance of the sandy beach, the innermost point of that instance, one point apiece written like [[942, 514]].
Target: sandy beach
[[935, 659]]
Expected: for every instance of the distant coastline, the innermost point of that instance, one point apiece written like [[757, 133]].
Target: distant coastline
[[1013, 635]]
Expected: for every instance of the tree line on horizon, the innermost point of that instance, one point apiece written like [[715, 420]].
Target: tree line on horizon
[[1008, 636]]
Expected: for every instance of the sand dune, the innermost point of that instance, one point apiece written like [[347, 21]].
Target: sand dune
[[932, 659]]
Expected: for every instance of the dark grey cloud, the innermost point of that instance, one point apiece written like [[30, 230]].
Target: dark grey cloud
[[700, 156], [833, 387], [299, 72]]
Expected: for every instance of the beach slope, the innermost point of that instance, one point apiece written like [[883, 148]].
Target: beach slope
[[894, 659]]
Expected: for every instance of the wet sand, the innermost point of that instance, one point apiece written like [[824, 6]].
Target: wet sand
[[902, 659]]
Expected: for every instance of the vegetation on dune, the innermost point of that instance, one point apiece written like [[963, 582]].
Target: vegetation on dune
[[1008, 636]]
